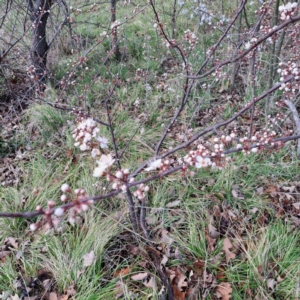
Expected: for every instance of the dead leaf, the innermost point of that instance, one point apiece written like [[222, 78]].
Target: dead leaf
[[213, 231], [71, 290], [139, 276], [296, 205], [146, 279], [225, 290], [164, 260], [279, 279], [289, 189], [15, 297], [134, 250], [271, 283], [150, 283], [236, 193], [10, 241], [289, 197], [173, 204], [53, 296], [210, 241], [209, 280], [3, 255], [231, 214], [199, 266], [177, 254], [119, 289], [254, 210], [89, 259], [122, 272], [165, 237], [260, 190], [226, 246], [79, 272]]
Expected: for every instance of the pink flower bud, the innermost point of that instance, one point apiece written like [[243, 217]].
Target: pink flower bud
[[63, 198], [84, 207], [65, 188], [119, 174], [33, 227], [51, 203], [59, 211]]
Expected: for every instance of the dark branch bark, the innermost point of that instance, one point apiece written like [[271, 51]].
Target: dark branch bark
[[39, 11]]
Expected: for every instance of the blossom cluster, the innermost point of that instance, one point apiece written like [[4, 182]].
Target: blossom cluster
[[191, 38], [119, 179], [140, 192], [287, 11], [77, 196], [285, 70], [31, 71], [84, 133], [52, 215]]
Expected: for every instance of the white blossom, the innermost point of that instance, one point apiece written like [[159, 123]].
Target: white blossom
[[103, 142], [202, 162], [104, 162], [154, 165]]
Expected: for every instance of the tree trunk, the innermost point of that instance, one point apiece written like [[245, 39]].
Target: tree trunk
[[114, 40], [39, 10]]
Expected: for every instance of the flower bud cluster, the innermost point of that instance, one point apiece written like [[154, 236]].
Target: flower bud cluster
[[171, 43], [31, 72], [199, 158], [285, 70], [49, 220], [265, 8], [266, 30], [77, 197], [287, 11], [93, 8], [51, 214], [259, 141], [119, 179], [140, 192], [191, 38]]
